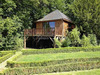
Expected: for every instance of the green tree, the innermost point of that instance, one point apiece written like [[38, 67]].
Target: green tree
[[16, 15], [86, 15], [10, 28]]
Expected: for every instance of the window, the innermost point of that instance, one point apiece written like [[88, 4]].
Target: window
[[47, 25], [52, 24]]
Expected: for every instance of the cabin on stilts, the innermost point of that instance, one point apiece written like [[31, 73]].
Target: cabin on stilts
[[53, 25]]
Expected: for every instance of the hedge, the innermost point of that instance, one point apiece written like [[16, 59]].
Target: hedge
[[6, 52], [3, 71], [53, 68], [2, 53], [13, 64], [5, 57], [60, 50], [18, 54]]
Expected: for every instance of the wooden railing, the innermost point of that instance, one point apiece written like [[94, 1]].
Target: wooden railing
[[39, 31]]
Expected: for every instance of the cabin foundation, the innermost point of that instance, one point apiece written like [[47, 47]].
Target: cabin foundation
[[39, 42]]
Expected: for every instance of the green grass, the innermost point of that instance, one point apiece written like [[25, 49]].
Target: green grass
[[86, 72], [57, 56]]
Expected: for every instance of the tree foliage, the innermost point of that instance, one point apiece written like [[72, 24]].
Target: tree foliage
[[87, 15], [17, 15], [10, 27]]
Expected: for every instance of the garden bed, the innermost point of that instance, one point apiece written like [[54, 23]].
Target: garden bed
[[36, 61], [52, 59], [57, 56]]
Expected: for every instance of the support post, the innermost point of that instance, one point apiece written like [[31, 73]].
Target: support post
[[24, 41], [54, 42]]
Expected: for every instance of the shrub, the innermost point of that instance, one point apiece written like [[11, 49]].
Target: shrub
[[18, 54], [3, 71], [2, 54], [57, 42], [60, 50], [53, 68], [6, 52], [18, 43], [5, 57], [13, 64], [74, 36], [85, 41], [66, 42], [93, 39]]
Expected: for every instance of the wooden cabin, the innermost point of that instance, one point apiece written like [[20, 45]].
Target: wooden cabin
[[53, 25]]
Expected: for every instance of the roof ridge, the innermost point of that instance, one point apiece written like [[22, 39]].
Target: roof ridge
[[60, 14]]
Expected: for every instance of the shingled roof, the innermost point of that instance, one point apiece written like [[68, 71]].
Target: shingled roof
[[55, 15]]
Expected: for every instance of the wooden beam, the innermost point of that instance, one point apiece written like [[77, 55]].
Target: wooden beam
[[24, 41]]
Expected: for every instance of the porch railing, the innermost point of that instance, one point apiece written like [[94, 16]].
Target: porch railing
[[39, 31]]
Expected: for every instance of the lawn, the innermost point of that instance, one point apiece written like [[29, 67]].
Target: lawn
[[57, 56], [86, 72]]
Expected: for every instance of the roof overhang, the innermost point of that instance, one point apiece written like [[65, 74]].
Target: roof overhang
[[55, 20]]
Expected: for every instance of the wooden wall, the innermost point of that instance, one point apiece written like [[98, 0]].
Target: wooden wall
[[39, 29], [65, 28], [58, 27]]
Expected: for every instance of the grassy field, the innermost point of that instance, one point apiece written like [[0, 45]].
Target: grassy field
[[58, 56], [86, 72]]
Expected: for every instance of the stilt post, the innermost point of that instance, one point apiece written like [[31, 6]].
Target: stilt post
[[24, 41]]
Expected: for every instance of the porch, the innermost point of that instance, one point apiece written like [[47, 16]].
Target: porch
[[39, 32]]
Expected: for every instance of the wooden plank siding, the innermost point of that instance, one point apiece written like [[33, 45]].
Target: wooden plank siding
[[58, 27], [65, 28], [39, 28]]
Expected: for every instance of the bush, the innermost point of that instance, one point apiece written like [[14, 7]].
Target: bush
[[3, 71], [18, 54], [6, 52], [57, 42], [53, 68], [18, 43], [5, 57], [74, 36], [13, 64], [85, 41], [93, 39], [10, 28], [60, 50], [66, 42], [2, 54]]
